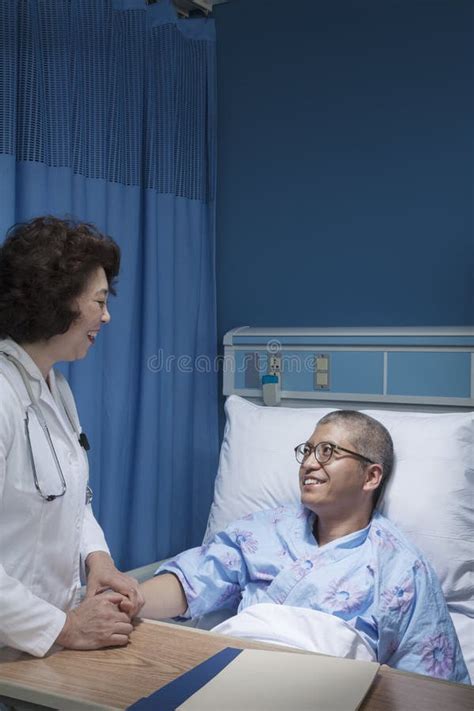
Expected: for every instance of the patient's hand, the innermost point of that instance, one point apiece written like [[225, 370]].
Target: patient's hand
[[97, 622], [103, 575]]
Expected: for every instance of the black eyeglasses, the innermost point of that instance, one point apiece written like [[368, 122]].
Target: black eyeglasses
[[323, 452]]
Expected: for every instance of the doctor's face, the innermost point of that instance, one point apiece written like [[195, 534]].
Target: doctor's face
[[82, 333], [336, 486]]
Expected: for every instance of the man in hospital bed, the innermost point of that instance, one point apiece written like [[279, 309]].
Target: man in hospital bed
[[332, 559]]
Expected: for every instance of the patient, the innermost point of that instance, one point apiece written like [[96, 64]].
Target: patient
[[334, 554]]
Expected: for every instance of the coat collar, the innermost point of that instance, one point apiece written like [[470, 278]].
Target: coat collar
[[38, 384], [7, 345]]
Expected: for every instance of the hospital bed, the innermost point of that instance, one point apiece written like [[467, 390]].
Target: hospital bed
[[418, 382]]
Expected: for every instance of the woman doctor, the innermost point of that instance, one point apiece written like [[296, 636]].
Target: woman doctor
[[55, 277]]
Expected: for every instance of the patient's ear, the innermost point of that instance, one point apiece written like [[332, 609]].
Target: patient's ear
[[373, 477]]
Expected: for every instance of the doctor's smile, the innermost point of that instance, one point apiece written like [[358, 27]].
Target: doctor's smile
[[93, 313]]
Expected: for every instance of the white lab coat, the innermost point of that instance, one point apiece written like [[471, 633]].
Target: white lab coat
[[42, 544]]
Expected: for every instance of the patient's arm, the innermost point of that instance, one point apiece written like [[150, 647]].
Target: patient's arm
[[164, 597]]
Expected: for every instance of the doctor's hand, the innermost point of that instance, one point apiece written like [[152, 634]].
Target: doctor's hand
[[97, 622], [103, 575]]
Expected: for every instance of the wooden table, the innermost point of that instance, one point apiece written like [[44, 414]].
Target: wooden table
[[159, 652]]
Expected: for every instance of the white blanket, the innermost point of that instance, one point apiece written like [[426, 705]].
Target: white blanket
[[298, 627]]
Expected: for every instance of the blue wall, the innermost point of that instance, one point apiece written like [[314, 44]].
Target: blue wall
[[345, 163]]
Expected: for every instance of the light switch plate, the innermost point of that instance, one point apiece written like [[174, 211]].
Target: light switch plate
[[322, 371]]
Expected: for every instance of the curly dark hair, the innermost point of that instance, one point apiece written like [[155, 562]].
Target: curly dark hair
[[45, 265]]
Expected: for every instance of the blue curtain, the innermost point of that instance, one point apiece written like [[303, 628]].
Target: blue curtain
[[107, 113]]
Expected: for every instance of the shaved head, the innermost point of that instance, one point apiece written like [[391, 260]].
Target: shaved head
[[369, 437]]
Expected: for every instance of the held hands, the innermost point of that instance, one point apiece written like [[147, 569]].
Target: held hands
[[97, 622], [103, 575], [104, 617]]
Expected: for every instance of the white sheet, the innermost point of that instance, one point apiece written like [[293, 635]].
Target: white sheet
[[298, 627]]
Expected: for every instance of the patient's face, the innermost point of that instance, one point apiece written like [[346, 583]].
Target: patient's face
[[334, 487]]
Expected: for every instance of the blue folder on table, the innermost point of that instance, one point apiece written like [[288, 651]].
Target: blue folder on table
[[172, 695]]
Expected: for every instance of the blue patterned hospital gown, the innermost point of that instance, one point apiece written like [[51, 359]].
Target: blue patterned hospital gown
[[374, 579]]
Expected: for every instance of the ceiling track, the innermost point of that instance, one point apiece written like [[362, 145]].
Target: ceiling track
[[188, 8]]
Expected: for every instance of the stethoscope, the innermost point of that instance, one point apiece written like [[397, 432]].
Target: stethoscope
[[35, 406]]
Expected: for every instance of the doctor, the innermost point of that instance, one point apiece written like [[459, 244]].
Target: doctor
[[55, 278]]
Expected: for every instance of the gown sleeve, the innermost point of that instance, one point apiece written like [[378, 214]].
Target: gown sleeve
[[212, 576], [416, 631]]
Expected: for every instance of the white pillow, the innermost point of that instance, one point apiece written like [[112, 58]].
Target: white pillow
[[429, 496], [257, 465]]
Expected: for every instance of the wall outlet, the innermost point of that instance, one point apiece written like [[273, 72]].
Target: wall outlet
[[274, 365]]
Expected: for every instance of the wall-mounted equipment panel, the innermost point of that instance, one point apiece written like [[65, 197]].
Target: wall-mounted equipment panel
[[422, 366]]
